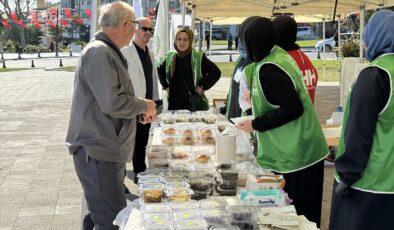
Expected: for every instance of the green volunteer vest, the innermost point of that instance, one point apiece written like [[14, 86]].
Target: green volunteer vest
[[297, 144], [230, 92], [378, 176], [196, 69]]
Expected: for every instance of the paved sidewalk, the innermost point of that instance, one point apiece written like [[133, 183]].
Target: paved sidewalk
[[38, 185]]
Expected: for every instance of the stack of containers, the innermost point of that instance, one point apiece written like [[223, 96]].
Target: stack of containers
[[244, 216], [157, 156], [151, 188], [215, 211], [187, 215], [228, 184], [156, 216]]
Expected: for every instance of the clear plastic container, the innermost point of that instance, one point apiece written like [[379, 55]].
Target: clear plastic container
[[190, 140], [169, 140], [184, 205], [209, 119], [181, 194], [182, 117], [155, 208], [180, 155], [149, 179], [216, 216], [213, 204], [199, 195], [183, 167], [228, 184], [201, 183], [157, 153], [192, 224], [201, 157], [158, 225], [195, 118], [186, 214], [223, 227], [169, 131], [227, 192], [188, 132], [229, 174], [167, 118], [171, 179], [244, 213], [159, 163], [176, 185], [155, 216], [245, 225], [206, 132], [151, 192]]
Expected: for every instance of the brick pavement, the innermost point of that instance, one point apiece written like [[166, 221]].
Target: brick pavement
[[38, 186]]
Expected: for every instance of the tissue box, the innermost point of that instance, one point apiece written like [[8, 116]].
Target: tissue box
[[261, 182]]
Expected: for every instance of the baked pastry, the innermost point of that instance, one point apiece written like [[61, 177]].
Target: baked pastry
[[188, 141], [169, 131], [209, 140], [206, 133], [187, 133], [168, 141], [202, 158], [179, 155]]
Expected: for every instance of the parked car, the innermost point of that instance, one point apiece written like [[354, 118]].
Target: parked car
[[216, 35], [305, 33], [330, 43]]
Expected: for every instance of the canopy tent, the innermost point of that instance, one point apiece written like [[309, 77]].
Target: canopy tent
[[238, 20], [245, 8]]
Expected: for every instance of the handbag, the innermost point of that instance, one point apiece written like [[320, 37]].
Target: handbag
[[196, 101]]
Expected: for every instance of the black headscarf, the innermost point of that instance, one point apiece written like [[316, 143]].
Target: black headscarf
[[286, 28], [259, 37]]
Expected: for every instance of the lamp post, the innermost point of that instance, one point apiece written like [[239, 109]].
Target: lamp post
[[57, 33]]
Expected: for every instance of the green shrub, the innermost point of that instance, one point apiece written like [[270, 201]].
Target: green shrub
[[350, 48]]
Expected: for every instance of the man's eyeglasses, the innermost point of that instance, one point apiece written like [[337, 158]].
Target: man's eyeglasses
[[146, 29], [135, 22]]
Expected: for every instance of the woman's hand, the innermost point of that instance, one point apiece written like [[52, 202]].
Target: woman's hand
[[247, 96], [199, 90], [245, 126]]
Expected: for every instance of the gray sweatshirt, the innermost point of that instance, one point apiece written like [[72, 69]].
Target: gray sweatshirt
[[104, 109]]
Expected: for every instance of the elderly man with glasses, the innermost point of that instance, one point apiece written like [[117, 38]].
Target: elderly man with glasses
[[144, 78], [101, 131]]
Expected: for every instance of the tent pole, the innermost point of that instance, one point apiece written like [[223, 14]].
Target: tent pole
[[183, 12], [210, 38], [362, 22], [203, 33], [324, 49]]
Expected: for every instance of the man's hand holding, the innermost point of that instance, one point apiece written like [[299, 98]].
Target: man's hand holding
[[150, 108]]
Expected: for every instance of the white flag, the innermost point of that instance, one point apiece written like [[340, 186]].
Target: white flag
[[137, 8], [160, 41]]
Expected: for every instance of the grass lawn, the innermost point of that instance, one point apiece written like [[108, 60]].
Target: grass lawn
[[332, 69], [307, 43], [10, 69]]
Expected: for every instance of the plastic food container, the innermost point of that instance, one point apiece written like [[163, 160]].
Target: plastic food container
[[195, 118], [179, 194], [199, 195], [186, 214], [180, 117], [209, 119], [157, 153], [180, 155], [176, 185], [192, 224], [189, 140], [149, 179], [183, 167], [216, 216], [202, 157], [245, 225], [158, 225], [184, 205], [228, 184], [171, 179], [155, 216], [229, 174], [226, 192], [244, 213], [223, 227], [169, 140], [200, 183], [159, 163], [155, 208], [151, 192], [213, 204]]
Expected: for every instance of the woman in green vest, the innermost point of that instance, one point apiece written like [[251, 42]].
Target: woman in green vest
[[186, 72], [289, 137], [363, 192]]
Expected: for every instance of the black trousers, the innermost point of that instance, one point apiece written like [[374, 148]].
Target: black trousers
[[102, 184], [141, 140], [305, 188]]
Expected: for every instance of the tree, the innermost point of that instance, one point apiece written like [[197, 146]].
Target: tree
[[56, 33], [21, 9]]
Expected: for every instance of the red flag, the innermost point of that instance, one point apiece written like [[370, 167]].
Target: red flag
[[6, 24], [88, 12], [36, 24], [53, 12], [33, 16], [67, 12], [51, 23], [63, 22], [78, 20], [20, 22], [13, 16]]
